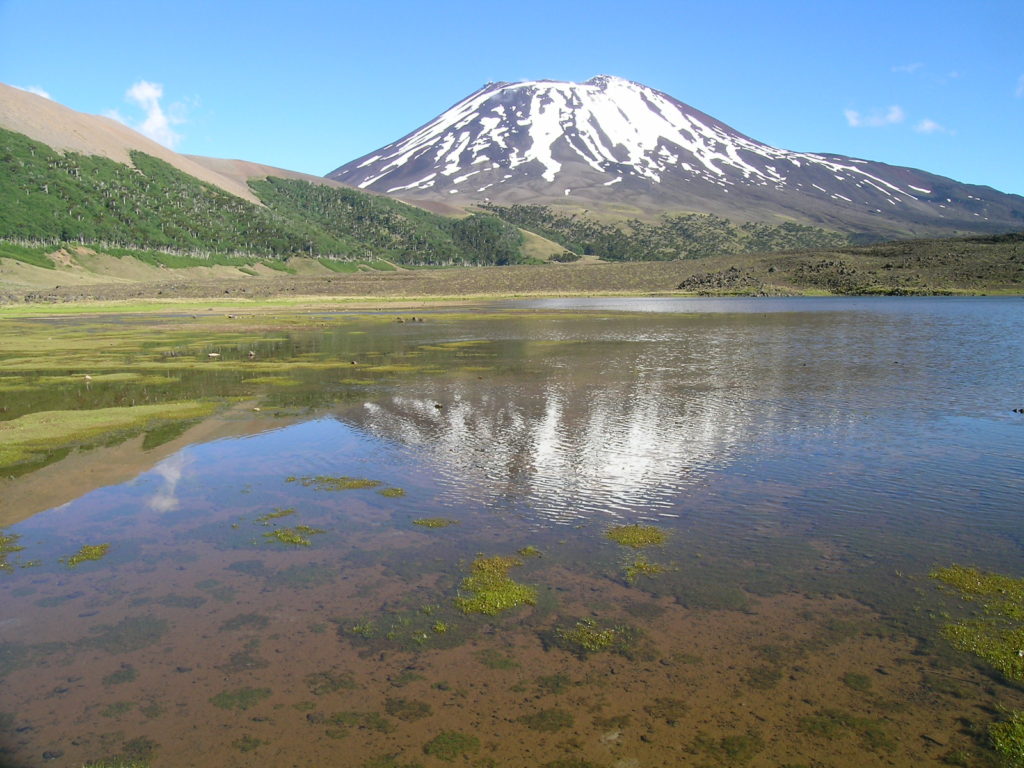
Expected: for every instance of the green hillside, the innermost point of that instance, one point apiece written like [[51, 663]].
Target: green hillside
[[681, 236], [47, 196]]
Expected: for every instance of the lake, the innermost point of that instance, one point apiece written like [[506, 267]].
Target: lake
[[565, 533]]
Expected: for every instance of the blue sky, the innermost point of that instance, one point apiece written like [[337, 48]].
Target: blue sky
[[308, 86]]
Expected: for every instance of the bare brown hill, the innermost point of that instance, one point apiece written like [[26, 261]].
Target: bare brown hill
[[66, 130]]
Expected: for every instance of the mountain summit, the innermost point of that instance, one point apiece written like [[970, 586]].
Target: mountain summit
[[613, 142]]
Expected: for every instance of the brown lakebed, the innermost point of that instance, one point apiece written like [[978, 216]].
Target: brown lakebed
[[804, 470]]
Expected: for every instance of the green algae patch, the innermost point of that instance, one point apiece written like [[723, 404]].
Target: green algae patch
[[330, 483], [299, 535], [31, 440], [276, 514], [8, 546], [131, 633], [451, 745], [248, 743], [434, 522], [117, 709], [86, 554], [642, 567], [1008, 739], [252, 621], [126, 674], [407, 710], [998, 636], [530, 551], [492, 590], [330, 681], [392, 493], [588, 636], [636, 536], [240, 698], [547, 720], [831, 724], [493, 659]]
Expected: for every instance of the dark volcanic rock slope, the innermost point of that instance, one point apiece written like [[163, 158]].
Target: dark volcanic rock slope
[[620, 145]]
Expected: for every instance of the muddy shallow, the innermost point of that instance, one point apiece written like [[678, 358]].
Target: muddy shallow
[[808, 466]]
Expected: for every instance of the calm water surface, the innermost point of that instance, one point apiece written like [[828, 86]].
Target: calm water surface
[[810, 461]]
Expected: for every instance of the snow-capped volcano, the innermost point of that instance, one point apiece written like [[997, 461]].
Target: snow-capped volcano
[[611, 141]]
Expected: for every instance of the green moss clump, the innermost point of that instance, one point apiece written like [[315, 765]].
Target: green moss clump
[[85, 554], [8, 545], [998, 638], [299, 535], [329, 483], [642, 567], [451, 745], [407, 709], [492, 589], [392, 493], [126, 674], [240, 698], [636, 536], [1008, 739], [434, 522], [547, 720]]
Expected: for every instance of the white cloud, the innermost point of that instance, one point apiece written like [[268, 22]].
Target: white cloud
[[876, 119], [36, 90], [1019, 93], [157, 123], [165, 499], [930, 126], [908, 69]]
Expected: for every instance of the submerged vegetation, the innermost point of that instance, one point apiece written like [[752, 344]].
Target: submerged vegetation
[[298, 535], [997, 637], [641, 567], [240, 698], [492, 590], [636, 536], [329, 483], [451, 745], [434, 522], [8, 545], [87, 553], [587, 636]]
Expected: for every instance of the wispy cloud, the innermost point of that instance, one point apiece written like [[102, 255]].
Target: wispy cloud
[[36, 90], [876, 119], [157, 123], [927, 125], [908, 69], [1019, 93]]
